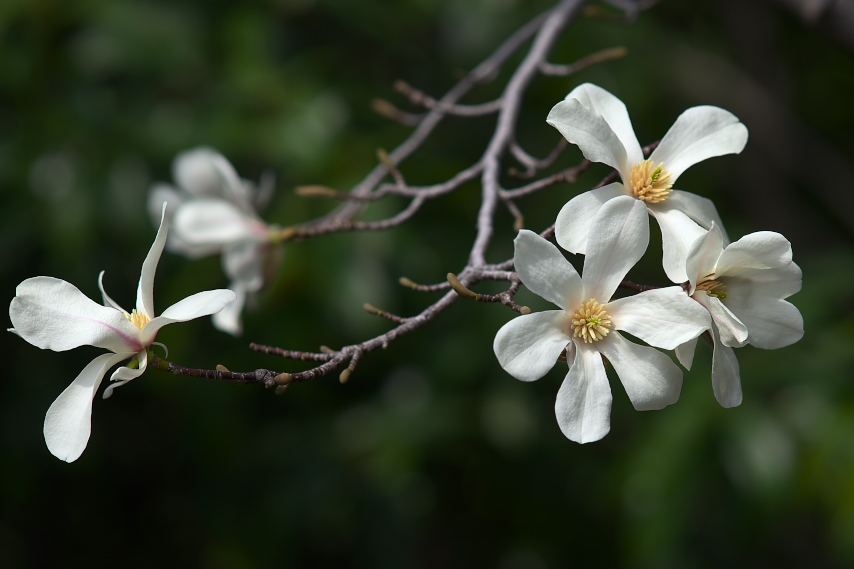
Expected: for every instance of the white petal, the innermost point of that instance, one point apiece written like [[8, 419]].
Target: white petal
[[108, 301], [592, 134], [614, 111], [699, 133], [145, 290], [528, 346], [651, 379], [208, 222], [579, 215], [726, 379], [771, 322], [685, 353], [194, 306], [163, 193], [583, 405], [703, 256], [760, 250], [701, 210], [228, 319], [68, 421], [545, 271], [664, 317], [245, 262], [617, 241], [732, 331], [776, 283], [204, 172], [125, 374], [678, 233], [53, 314]]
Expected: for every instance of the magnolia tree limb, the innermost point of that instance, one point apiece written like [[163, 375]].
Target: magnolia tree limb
[[544, 30]]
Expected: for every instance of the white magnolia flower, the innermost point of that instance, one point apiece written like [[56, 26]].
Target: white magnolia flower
[[214, 211], [53, 314], [588, 320], [599, 124], [743, 285]]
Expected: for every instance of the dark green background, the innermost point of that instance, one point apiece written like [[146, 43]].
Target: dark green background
[[432, 455]]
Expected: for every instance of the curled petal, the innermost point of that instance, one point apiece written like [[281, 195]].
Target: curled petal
[[580, 214], [145, 291], [583, 405], [726, 378], [53, 314], [108, 301], [760, 250], [68, 421], [699, 133], [664, 317], [703, 256], [678, 233], [545, 271], [528, 346], [592, 134], [124, 374], [651, 379], [614, 111], [617, 241], [732, 331], [200, 304]]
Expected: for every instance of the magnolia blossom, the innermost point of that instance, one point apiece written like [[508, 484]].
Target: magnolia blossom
[[599, 124], [53, 314], [214, 211], [742, 285], [587, 324]]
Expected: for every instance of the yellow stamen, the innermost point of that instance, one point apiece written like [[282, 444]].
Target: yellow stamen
[[139, 319], [713, 288], [591, 322], [650, 183]]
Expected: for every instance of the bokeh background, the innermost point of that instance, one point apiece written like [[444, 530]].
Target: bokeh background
[[431, 455]]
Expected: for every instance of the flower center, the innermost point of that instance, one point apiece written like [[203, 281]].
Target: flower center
[[713, 287], [650, 183], [139, 320], [591, 322]]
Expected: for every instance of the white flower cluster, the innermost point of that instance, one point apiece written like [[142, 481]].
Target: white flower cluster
[[735, 291]]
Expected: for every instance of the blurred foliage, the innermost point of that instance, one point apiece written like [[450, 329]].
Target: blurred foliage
[[431, 455]]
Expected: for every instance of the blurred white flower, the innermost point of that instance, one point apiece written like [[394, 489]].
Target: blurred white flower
[[742, 285], [599, 124], [588, 321], [215, 212], [53, 314]]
